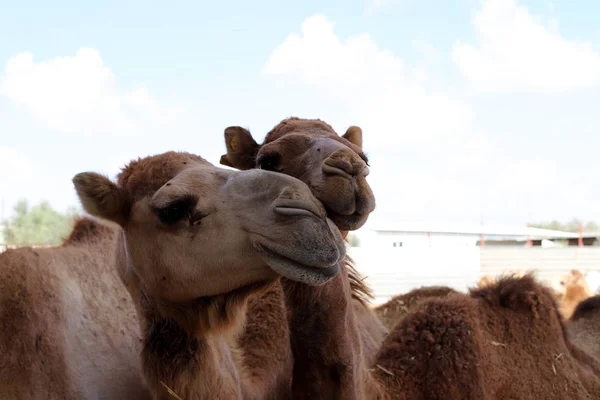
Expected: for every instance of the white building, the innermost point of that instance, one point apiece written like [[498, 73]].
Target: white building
[[399, 257], [435, 234]]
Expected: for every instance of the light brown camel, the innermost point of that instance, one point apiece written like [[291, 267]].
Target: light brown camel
[[196, 243], [68, 327], [572, 289], [335, 168]]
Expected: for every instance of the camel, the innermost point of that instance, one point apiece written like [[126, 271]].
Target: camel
[[584, 325], [335, 168], [391, 312], [196, 244], [502, 341], [68, 326], [572, 289]]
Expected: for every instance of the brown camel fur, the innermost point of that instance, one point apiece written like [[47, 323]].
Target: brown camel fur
[[573, 289], [391, 312], [584, 326], [197, 243], [67, 330], [502, 341]]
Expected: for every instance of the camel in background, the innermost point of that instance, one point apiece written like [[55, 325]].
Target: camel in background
[[69, 329], [572, 289], [196, 243]]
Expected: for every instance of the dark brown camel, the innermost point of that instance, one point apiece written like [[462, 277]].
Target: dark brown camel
[[335, 168]]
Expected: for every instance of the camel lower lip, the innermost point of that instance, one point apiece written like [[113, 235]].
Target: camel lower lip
[[296, 271], [347, 222]]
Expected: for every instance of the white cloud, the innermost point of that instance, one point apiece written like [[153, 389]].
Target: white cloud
[[517, 51], [430, 53], [78, 95], [375, 85], [371, 6]]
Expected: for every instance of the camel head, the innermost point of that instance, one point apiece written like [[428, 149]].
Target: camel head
[[334, 167], [572, 284], [193, 230]]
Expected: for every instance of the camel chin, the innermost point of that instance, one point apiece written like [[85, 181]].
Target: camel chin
[[296, 271], [347, 222]]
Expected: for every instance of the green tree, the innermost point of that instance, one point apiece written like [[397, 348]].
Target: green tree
[[571, 226], [38, 225], [353, 240]]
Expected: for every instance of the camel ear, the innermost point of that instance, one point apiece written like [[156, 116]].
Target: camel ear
[[241, 148], [101, 198], [354, 136]]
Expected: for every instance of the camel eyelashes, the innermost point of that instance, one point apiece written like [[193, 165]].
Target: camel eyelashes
[[177, 210]]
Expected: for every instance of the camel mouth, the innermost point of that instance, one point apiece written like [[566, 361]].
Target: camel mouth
[[295, 270]]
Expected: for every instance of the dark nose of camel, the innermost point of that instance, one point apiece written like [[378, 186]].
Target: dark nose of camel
[[345, 163]]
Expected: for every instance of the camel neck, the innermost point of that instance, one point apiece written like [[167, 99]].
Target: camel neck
[[190, 366], [325, 339]]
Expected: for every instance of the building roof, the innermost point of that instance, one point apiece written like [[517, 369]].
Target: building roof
[[473, 229]]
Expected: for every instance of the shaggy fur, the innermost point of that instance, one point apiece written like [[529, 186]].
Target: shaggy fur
[[584, 326], [502, 341], [399, 306]]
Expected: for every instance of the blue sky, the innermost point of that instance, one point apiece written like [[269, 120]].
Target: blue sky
[[473, 109]]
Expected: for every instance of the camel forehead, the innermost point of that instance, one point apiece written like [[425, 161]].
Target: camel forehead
[[144, 176], [305, 129], [309, 127]]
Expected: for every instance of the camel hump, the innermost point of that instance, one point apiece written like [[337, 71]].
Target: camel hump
[[86, 230], [587, 308], [434, 345], [516, 293], [31, 314]]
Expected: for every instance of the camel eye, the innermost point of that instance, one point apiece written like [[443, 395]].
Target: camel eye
[[176, 210], [269, 162]]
